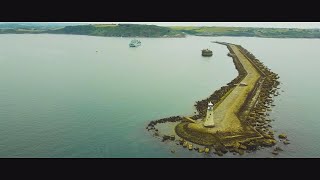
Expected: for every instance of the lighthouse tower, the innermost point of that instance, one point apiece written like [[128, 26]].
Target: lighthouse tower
[[208, 121]]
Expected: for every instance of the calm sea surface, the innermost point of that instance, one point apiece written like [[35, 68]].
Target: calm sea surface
[[84, 96]]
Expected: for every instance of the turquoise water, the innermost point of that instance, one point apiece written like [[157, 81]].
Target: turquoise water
[[61, 98], [84, 96]]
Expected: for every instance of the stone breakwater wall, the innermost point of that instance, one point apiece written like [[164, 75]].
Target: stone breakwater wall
[[152, 127], [201, 106], [258, 115], [253, 114]]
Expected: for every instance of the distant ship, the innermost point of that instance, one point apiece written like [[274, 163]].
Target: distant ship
[[206, 52], [135, 43]]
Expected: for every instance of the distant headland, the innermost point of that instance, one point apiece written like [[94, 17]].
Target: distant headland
[[153, 31]]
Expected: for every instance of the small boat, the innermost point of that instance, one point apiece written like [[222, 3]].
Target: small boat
[[135, 43], [206, 52]]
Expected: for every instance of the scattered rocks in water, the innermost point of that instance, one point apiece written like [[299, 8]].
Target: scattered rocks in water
[[185, 144], [156, 134], [165, 137], [275, 152], [251, 146], [206, 150], [196, 148], [286, 142], [169, 119], [282, 136], [219, 153], [224, 150], [190, 147], [233, 150], [241, 152], [201, 150], [221, 148], [278, 149], [173, 151]]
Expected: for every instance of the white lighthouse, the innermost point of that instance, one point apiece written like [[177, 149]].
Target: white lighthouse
[[208, 121]]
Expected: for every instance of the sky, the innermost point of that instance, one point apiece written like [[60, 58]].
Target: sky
[[234, 24], [302, 25]]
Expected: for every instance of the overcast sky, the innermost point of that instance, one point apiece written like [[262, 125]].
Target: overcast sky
[[234, 24]]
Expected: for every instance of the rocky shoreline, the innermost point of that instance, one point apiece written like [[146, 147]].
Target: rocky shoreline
[[254, 115], [152, 126]]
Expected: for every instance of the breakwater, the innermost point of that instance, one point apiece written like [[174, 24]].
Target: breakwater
[[243, 123]]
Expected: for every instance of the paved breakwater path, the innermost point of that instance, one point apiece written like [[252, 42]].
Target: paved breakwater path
[[225, 114]]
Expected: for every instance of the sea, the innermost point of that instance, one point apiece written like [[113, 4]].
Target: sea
[[76, 96]]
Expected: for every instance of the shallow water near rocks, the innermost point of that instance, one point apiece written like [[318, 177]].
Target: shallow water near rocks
[[84, 96]]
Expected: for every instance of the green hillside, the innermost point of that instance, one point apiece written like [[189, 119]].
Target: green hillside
[[250, 32], [121, 30], [138, 30]]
